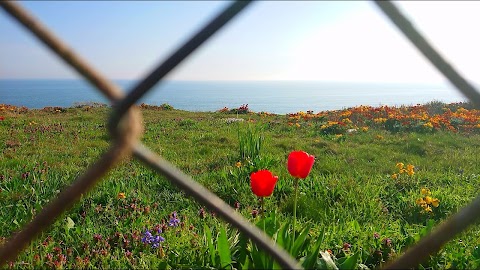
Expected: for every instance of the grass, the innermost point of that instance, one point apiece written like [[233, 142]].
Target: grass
[[349, 195]]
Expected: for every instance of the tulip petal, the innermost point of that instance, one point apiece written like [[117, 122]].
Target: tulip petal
[[263, 183], [300, 164]]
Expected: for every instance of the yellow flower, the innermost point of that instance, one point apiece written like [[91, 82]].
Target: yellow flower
[[400, 165], [238, 164], [425, 191], [435, 202], [364, 129], [420, 201], [338, 135], [297, 125], [121, 195], [428, 200], [410, 167], [394, 176], [380, 120], [379, 137], [428, 209], [410, 173], [428, 125], [402, 171]]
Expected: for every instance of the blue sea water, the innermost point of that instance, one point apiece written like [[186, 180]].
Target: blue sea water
[[279, 97]]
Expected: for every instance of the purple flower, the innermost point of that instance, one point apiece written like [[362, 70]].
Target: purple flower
[[174, 221], [147, 237], [154, 241]]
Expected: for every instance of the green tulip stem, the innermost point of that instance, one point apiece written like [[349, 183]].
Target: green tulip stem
[[262, 207], [295, 208]]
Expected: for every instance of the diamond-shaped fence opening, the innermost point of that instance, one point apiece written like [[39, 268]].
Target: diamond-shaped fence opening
[[125, 128]]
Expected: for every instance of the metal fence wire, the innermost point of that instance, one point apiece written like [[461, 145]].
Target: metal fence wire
[[125, 127]]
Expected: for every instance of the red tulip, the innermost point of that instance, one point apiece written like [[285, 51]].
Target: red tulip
[[300, 163], [263, 182]]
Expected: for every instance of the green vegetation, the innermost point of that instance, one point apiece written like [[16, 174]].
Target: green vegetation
[[357, 208]]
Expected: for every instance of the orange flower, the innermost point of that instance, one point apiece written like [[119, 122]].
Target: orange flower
[[121, 195]]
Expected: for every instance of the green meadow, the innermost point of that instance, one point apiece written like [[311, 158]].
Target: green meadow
[[356, 209]]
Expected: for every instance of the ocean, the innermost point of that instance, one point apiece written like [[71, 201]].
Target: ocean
[[279, 97]]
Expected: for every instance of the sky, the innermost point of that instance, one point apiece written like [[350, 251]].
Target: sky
[[350, 41]]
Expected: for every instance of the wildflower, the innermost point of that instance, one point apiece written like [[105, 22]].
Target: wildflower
[[435, 202], [300, 163], [425, 191], [2, 118], [262, 183], [236, 205], [297, 125], [346, 246], [174, 221], [394, 176], [201, 213], [387, 242], [154, 241], [97, 237], [428, 200], [379, 137], [254, 213], [399, 165], [238, 164], [420, 201], [364, 129], [376, 235], [428, 209], [121, 195], [410, 168]]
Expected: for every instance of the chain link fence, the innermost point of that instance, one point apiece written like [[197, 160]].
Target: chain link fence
[[125, 128]]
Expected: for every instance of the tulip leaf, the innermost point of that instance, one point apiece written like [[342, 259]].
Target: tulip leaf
[[258, 258], [223, 248], [269, 224], [242, 257], [209, 240], [311, 258], [282, 236], [300, 241], [350, 262]]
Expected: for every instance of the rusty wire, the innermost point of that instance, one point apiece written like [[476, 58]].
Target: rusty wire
[[126, 127]]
